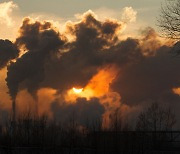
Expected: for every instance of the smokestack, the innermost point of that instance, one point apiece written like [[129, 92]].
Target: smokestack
[[14, 111], [36, 109]]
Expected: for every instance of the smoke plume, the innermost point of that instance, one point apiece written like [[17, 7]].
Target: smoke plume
[[41, 42], [90, 54], [8, 51]]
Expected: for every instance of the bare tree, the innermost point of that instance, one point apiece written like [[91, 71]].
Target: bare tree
[[156, 118], [169, 19]]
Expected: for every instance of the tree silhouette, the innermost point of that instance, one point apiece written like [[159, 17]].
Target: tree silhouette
[[156, 118], [169, 19]]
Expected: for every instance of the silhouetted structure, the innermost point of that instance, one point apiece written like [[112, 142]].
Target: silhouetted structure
[[40, 136]]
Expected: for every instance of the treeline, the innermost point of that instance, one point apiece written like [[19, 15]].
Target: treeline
[[154, 132]]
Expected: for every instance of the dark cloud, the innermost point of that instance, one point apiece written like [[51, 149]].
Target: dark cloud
[[8, 51], [85, 54], [176, 48], [83, 111], [149, 79], [41, 42], [148, 70]]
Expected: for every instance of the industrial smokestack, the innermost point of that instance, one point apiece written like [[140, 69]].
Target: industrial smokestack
[[36, 109], [14, 111]]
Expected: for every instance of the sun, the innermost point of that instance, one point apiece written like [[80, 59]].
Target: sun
[[77, 91]]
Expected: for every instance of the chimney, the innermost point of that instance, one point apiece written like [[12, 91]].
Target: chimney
[[14, 111]]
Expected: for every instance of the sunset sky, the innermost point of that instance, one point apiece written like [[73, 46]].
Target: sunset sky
[[91, 57], [147, 9], [62, 10]]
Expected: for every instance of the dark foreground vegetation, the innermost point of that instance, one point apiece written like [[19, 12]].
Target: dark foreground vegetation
[[153, 134]]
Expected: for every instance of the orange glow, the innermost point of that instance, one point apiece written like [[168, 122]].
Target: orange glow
[[77, 91], [176, 91], [42, 105], [45, 97], [98, 86], [100, 83]]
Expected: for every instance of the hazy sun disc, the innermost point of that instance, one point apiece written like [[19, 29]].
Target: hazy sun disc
[[77, 91]]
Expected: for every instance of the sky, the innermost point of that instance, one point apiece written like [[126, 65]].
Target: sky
[[62, 10], [92, 58], [68, 8]]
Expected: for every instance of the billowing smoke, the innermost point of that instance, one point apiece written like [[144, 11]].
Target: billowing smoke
[[149, 79], [84, 112], [41, 42], [8, 51], [85, 54], [143, 70]]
